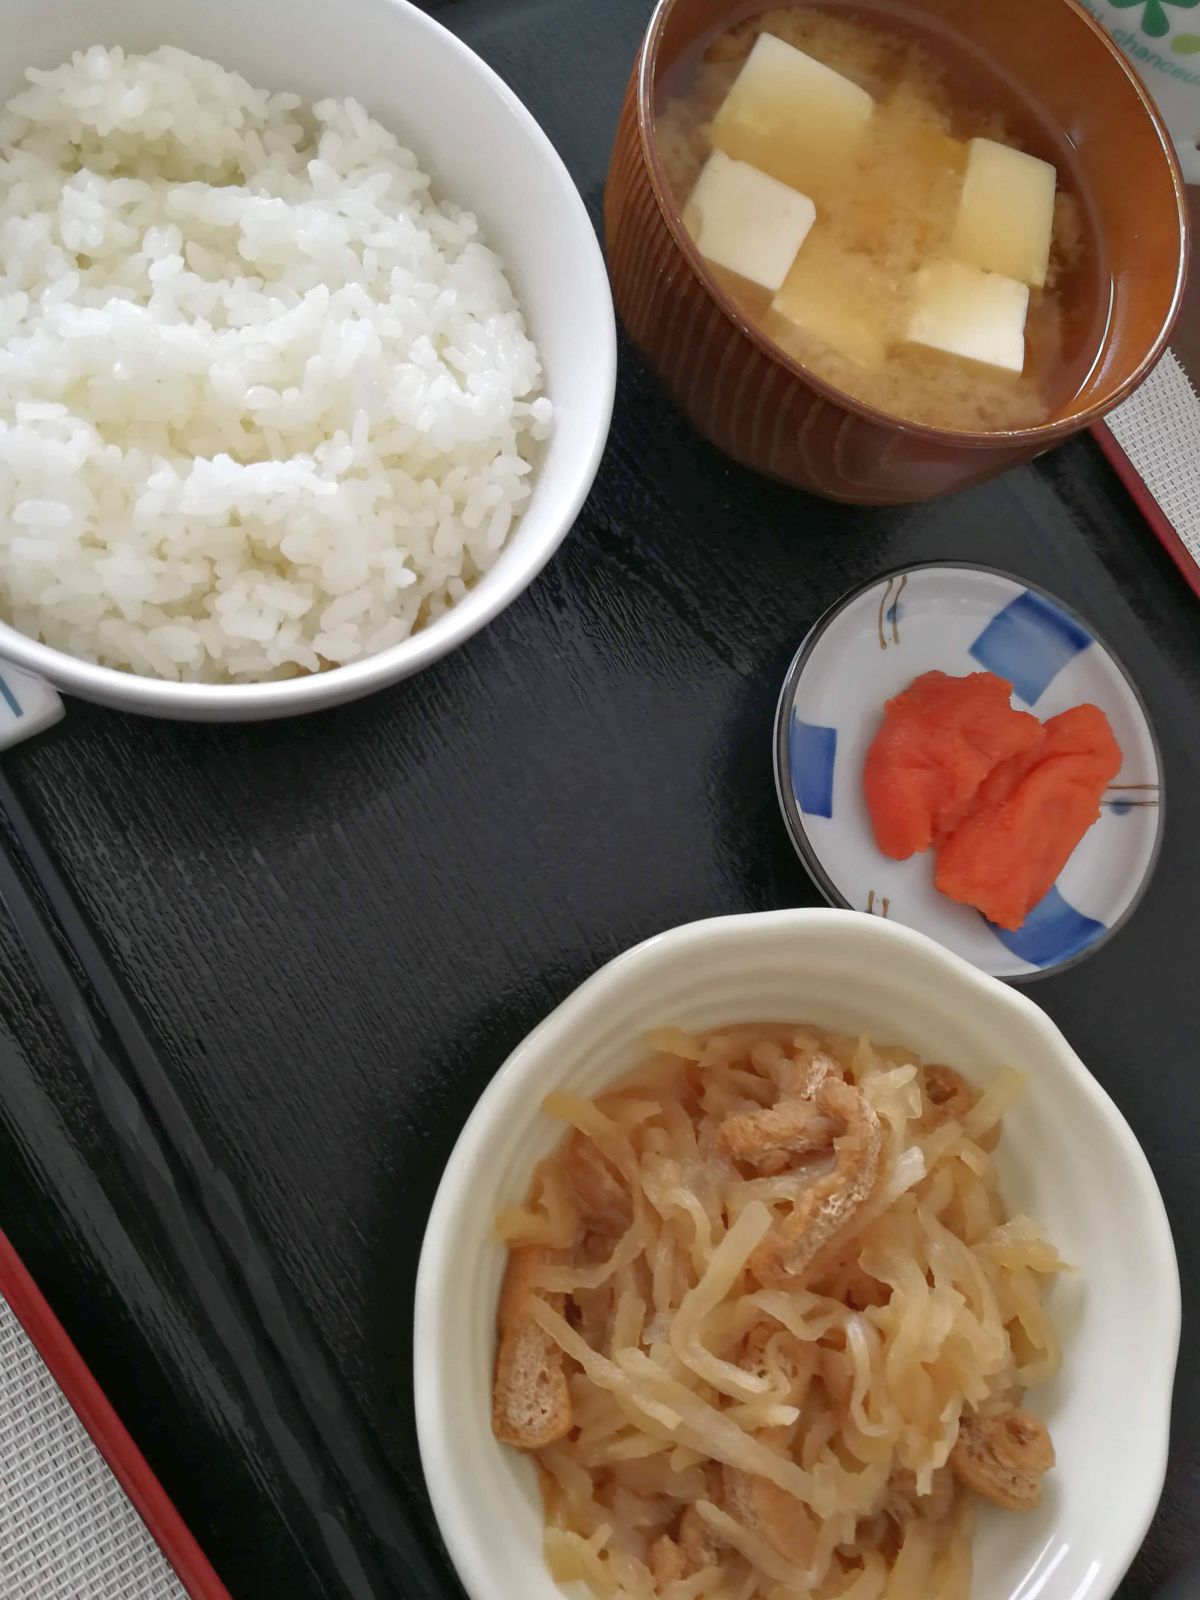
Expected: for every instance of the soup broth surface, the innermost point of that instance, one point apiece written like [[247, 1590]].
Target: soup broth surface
[[893, 211]]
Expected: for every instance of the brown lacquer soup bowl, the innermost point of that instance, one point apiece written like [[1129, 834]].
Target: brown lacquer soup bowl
[[1073, 92]]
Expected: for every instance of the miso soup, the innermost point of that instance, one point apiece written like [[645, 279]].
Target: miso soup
[[888, 212]]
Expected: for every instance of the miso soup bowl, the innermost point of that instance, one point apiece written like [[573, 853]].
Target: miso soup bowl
[[772, 413]]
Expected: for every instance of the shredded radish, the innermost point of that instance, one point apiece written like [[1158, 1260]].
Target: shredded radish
[[744, 1434]]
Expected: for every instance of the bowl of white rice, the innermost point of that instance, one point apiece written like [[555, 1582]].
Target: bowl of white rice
[[307, 353]]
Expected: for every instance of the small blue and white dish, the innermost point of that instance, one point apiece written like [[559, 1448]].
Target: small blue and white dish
[[959, 619]]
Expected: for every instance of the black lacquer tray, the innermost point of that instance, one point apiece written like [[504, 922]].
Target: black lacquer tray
[[252, 979]]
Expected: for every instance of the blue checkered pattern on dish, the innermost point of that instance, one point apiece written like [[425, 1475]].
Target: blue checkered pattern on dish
[[1029, 642], [1052, 932], [812, 751]]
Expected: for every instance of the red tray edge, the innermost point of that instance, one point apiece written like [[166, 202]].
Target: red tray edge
[[109, 1434]]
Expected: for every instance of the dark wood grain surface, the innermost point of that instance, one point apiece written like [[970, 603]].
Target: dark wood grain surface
[[252, 979]]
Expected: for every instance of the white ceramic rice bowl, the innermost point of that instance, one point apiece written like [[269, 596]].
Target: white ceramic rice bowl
[[485, 151], [1067, 1157]]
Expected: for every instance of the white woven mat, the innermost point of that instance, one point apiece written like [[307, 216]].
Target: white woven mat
[[67, 1530], [1158, 428]]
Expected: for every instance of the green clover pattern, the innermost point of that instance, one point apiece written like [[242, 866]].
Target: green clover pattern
[[1155, 21]]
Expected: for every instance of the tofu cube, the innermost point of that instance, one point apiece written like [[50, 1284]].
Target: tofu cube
[[842, 299], [792, 117], [1006, 212], [978, 316], [747, 222]]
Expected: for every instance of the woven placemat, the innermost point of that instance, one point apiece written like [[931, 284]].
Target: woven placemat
[[1157, 432], [67, 1529]]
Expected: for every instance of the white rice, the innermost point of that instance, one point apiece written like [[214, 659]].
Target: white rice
[[266, 406]]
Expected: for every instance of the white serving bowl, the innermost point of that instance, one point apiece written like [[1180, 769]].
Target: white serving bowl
[[1067, 1158], [485, 151]]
